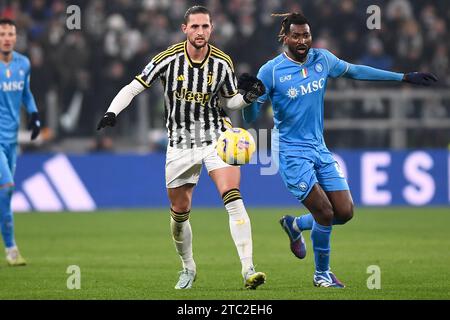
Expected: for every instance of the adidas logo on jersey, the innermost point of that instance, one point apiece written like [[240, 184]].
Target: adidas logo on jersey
[[180, 78]]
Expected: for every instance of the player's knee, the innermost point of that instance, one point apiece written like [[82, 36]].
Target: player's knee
[[181, 204], [344, 213], [349, 213], [181, 207], [325, 215]]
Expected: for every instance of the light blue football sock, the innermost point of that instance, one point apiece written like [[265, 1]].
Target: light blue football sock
[[305, 222], [6, 217], [320, 236]]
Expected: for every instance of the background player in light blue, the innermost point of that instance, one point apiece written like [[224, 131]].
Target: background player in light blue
[[295, 83], [14, 91]]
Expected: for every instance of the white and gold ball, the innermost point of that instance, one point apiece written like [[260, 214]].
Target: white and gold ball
[[236, 146]]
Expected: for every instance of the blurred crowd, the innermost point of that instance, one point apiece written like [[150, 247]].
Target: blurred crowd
[[87, 67]]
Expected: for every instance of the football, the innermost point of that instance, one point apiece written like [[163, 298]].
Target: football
[[236, 146]]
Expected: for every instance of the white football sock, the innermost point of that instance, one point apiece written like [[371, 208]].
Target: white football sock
[[182, 238], [241, 232]]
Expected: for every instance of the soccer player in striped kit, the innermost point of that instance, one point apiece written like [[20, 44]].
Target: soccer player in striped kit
[[198, 79], [14, 91]]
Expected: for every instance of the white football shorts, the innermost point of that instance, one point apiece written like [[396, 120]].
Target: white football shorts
[[183, 166]]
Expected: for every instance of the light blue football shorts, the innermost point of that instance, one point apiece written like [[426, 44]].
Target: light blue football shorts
[[301, 169]]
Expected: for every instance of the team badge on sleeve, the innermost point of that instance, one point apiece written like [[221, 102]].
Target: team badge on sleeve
[[148, 68]]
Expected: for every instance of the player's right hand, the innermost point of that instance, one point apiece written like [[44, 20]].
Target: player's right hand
[[108, 120]]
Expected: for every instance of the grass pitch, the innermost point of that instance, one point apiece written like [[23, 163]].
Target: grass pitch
[[130, 255]]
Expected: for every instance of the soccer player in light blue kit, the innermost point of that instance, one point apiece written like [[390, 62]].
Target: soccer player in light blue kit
[[14, 91], [295, 83]]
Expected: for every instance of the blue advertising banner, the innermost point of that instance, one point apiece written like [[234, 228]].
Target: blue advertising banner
[[59, 182]]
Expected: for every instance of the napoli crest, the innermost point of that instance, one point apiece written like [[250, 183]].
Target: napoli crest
[[318, 67], [303, 186]]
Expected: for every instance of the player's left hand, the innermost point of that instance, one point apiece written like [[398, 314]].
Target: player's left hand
[[251, 86], [34, 124], [421, 78]]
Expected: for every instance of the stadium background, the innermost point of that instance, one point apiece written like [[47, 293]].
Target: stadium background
[[76, 73], [83, 70], [392, 140]]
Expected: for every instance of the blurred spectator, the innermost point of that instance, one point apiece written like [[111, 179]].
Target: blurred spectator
[[118, 37], [375, 56]]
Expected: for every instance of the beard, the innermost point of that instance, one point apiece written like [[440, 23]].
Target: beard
[[301, 57], [196, 46]]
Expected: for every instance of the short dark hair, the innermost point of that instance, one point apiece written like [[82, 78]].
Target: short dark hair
[[195, 10], [7, 21], [289, 19]]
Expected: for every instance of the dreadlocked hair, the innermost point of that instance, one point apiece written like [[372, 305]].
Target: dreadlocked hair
[[289, 18]]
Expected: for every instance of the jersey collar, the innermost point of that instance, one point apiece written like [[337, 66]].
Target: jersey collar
[[299, 63], [193, 64]]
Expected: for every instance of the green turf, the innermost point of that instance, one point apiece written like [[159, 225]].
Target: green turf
[[130, 255]]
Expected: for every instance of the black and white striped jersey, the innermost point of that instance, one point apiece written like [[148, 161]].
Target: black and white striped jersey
[[191, 93]]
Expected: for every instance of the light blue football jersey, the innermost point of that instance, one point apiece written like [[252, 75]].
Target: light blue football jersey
[[297, 94], [14, 92]]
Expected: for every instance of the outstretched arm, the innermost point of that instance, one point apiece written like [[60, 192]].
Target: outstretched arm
[[155, 69], [340, 68], [120, 102], [361, 72], [125, 96]]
